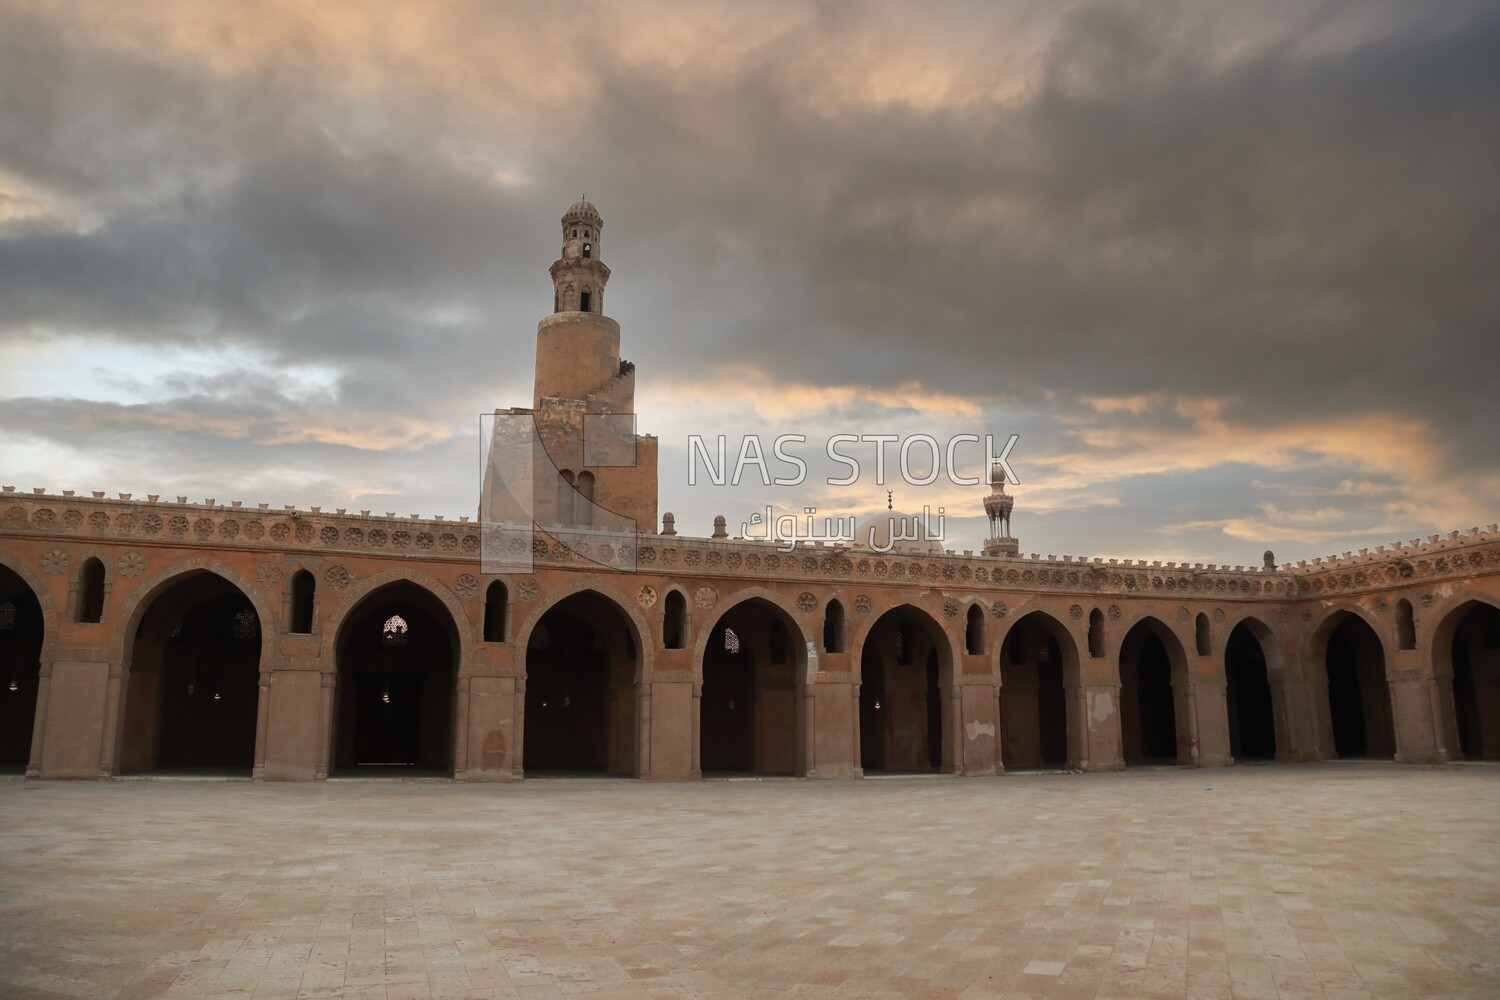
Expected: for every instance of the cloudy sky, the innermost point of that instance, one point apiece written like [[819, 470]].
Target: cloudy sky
[[1230, 270]]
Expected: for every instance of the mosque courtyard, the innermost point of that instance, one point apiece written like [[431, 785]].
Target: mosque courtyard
[[1338, 880]]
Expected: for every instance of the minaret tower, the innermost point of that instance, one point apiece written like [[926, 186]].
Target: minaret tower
[[579, 276], [586, 466], [577, 347], [997, 506]]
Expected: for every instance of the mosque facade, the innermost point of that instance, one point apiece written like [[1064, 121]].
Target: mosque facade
[[567, 628]]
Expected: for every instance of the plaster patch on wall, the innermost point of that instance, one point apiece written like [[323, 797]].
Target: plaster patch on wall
[[1101, 706], [976, 729]]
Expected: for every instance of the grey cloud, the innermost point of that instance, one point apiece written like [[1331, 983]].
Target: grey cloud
[[1292, 208]]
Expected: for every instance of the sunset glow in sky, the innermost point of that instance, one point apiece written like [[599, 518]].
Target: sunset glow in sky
[[1232, 271]]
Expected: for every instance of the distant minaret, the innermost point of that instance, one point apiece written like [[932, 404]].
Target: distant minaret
[[997, 506]]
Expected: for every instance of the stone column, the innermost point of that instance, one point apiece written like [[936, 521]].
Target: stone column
[[487, 729], [1211, 714], [518, 725], [296, 707], [1417, 724], [979, 728], [78, 719], [697, 719], [672, 748], [857, 769], [1099, 709]]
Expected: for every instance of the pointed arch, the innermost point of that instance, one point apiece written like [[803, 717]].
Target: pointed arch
[[974, 631], [192, 691], [1156, 705], [674, 634], [582, 687], [89, 600], [398, 646], [754, 709], [496, 610], [23, 634], [303, 599], [1042, 717], [907, 719], [1406, 625], [1466, 666], [834, 626], [1354, 700]]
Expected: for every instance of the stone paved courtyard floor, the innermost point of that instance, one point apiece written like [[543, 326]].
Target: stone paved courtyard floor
[[1330, 880]]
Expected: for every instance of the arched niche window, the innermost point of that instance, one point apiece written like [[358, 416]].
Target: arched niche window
[[565, 495], [588, 251], [674, 621], [1096, 633], [833, 627], [903, 642], [304, 589], [731, 641], [91, 591], [1201, 633], [1406, 625], [395, 631], [494, 612], [586, 301], [584, 505], [974, 630]]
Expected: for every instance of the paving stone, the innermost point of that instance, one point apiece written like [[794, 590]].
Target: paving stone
[[1335, 881]]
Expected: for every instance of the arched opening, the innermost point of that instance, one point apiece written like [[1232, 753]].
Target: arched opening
[[1359, 700], [495, 599], [581, 665], [1096, 634], [833, 627], [1202, 639], [90, 591], [588, 251], [397, 656], [586, 302], [584, 505], [748, 713], [304, 589], [566, 496], [193, 685], [21, 632], [1151, 664], [974, 631], [674, 621], [1247, 689], [905, 666], [1406, 625], [1470, 639], [1034, 687]]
